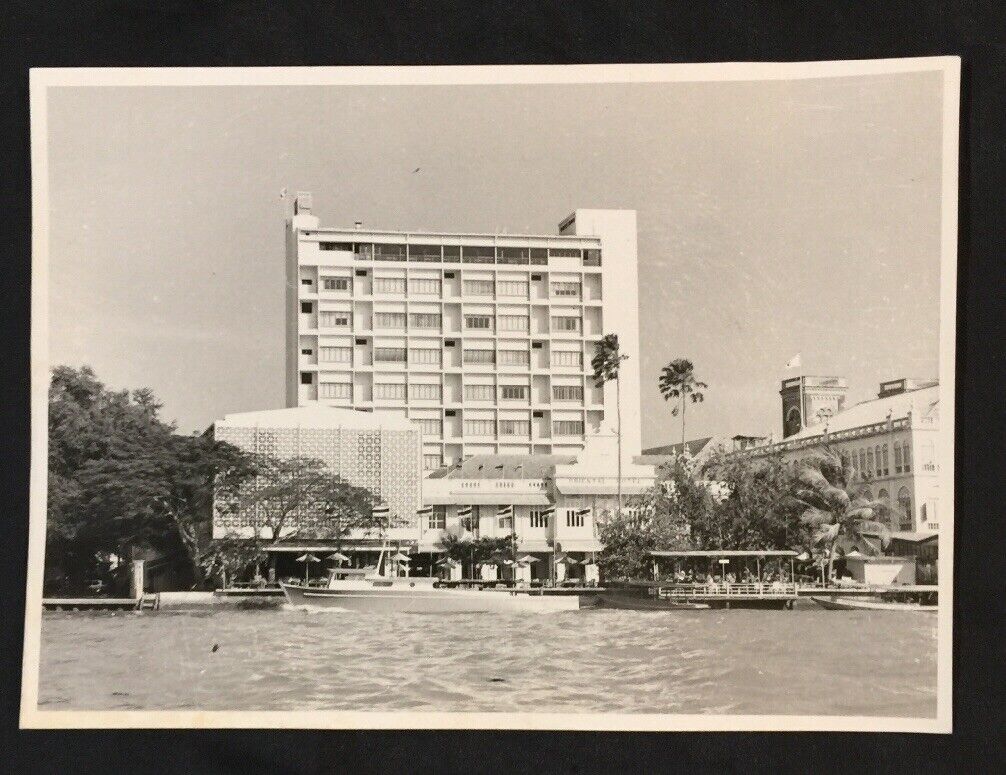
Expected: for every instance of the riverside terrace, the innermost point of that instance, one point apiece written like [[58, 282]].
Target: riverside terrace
[[726, 578]]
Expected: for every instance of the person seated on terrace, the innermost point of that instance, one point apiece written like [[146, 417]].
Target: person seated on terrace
[[731, 578], [747, 576], [679, 576]]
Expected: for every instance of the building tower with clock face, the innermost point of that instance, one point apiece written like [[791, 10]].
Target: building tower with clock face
[[808, 401]]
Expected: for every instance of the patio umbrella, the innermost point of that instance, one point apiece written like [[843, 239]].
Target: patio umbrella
[[339, 557], [307, 559], [527, 559]]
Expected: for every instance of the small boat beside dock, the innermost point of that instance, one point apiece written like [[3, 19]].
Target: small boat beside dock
[[869, 604]]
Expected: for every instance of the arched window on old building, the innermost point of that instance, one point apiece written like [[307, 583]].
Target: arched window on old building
[[870, 470], [905, 506], [880, 468], [887, 470], [897, 457], [906, 454], [885, 497], [863, 472]]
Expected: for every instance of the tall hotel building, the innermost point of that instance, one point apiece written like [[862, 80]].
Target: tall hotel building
[[483, 340]]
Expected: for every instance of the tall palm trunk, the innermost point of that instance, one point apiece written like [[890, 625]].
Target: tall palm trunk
[[684, 406], [831, 561], [618, 412]]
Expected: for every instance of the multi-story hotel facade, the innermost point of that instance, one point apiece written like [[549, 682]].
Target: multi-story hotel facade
[[484, 341]]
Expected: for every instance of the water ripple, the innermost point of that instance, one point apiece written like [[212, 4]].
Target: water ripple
[[792, 662]]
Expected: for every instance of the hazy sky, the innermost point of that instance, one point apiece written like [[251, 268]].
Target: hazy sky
[[774, 218]]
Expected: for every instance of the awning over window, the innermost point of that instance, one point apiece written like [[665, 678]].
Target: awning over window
[[580, 544]]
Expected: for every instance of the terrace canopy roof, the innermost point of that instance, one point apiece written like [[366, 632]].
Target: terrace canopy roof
[[728, 553]]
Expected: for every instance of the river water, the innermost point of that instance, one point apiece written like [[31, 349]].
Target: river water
[[805, 661]]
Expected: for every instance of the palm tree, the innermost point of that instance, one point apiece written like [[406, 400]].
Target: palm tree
[[606, 363], [834, 507], [677, 380]]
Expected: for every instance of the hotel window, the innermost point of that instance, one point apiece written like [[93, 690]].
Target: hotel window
[[479, 322], [424, 285], [573, 518], [863, 471], [306, 307], [389, 320], [424, 320], [513, 322], [567, 358], [478, 254], [384, 390], [424, 253], [478, 287], [514, 256], [539, 518], [516, 288], [514, 358], [570, 290], [513, 392], [425, 356], [389, 355], [897, 458], [879, 452], [334, 319], [505, 523], [592, 257], [567, 427], [438, 519], [389, 252], [452, 254], [336, 354], [480, 427], [430, 426], [306, 378], [906, 454], [470, 523], [335, 246], [389, 285], [564, 252], [539, 256], [335, 283], [567, 392], [565, 323], [515, 427], [479, 392], [425, 392], [485, 357], [364, 251], [335, 390], [870, 470]]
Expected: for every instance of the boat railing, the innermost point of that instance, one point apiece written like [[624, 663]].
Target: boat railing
[[747, 589]]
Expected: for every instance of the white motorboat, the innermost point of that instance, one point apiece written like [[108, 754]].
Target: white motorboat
[[367, 590], [869, 604]]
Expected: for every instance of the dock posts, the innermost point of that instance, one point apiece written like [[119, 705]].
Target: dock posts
[[137, 582]]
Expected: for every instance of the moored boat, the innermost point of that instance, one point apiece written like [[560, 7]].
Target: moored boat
[[367, 590], [629, 602], [419, 595], [869, 604]]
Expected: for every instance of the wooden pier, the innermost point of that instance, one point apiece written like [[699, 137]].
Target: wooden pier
[[91, 604]]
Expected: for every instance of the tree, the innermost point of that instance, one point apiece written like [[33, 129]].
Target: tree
[[677, 380], [659, 521], [100, 471], [607, 362], [286, 498], [752, 507], [834, 507]]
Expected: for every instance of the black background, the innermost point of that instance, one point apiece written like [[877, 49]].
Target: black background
[[173, 33]]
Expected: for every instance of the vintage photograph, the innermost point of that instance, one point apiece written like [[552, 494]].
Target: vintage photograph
[[588, 397]]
